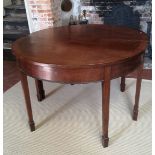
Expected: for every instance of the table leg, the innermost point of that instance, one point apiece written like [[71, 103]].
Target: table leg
[[105, 106], [40, 90], [24, 83], [137, 95], [122, 85]]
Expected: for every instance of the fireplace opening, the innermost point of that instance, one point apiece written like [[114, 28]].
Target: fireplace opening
[[123, 15]]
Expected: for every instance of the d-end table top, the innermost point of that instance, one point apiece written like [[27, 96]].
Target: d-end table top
[[81, 45]]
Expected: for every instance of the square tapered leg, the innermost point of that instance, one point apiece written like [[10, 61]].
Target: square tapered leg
[[137, 95], [122, 85], [24, 83], [40, 90], [105, 106]]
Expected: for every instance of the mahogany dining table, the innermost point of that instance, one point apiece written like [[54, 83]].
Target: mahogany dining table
[[81, 54]]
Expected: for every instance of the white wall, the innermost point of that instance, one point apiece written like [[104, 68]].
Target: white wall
[[75, 11]]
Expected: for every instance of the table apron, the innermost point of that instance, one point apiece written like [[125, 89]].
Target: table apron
[[78, 75], [63, 75], [126, 67]]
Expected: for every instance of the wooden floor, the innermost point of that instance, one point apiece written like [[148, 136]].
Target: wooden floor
[[11, 74]]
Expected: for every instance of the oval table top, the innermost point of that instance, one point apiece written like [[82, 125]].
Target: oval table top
[[81, 45]]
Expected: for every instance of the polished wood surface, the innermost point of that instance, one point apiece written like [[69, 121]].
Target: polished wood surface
[[84, 46], [78, 53], [82, 54]]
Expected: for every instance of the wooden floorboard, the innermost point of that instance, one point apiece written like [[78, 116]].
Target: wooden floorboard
[[10, 74]]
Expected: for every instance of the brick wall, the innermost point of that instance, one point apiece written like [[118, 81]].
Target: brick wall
[[40, 14], [56, 10], [47, 13]]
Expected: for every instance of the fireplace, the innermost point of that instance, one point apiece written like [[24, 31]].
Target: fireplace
[[123, 15]]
